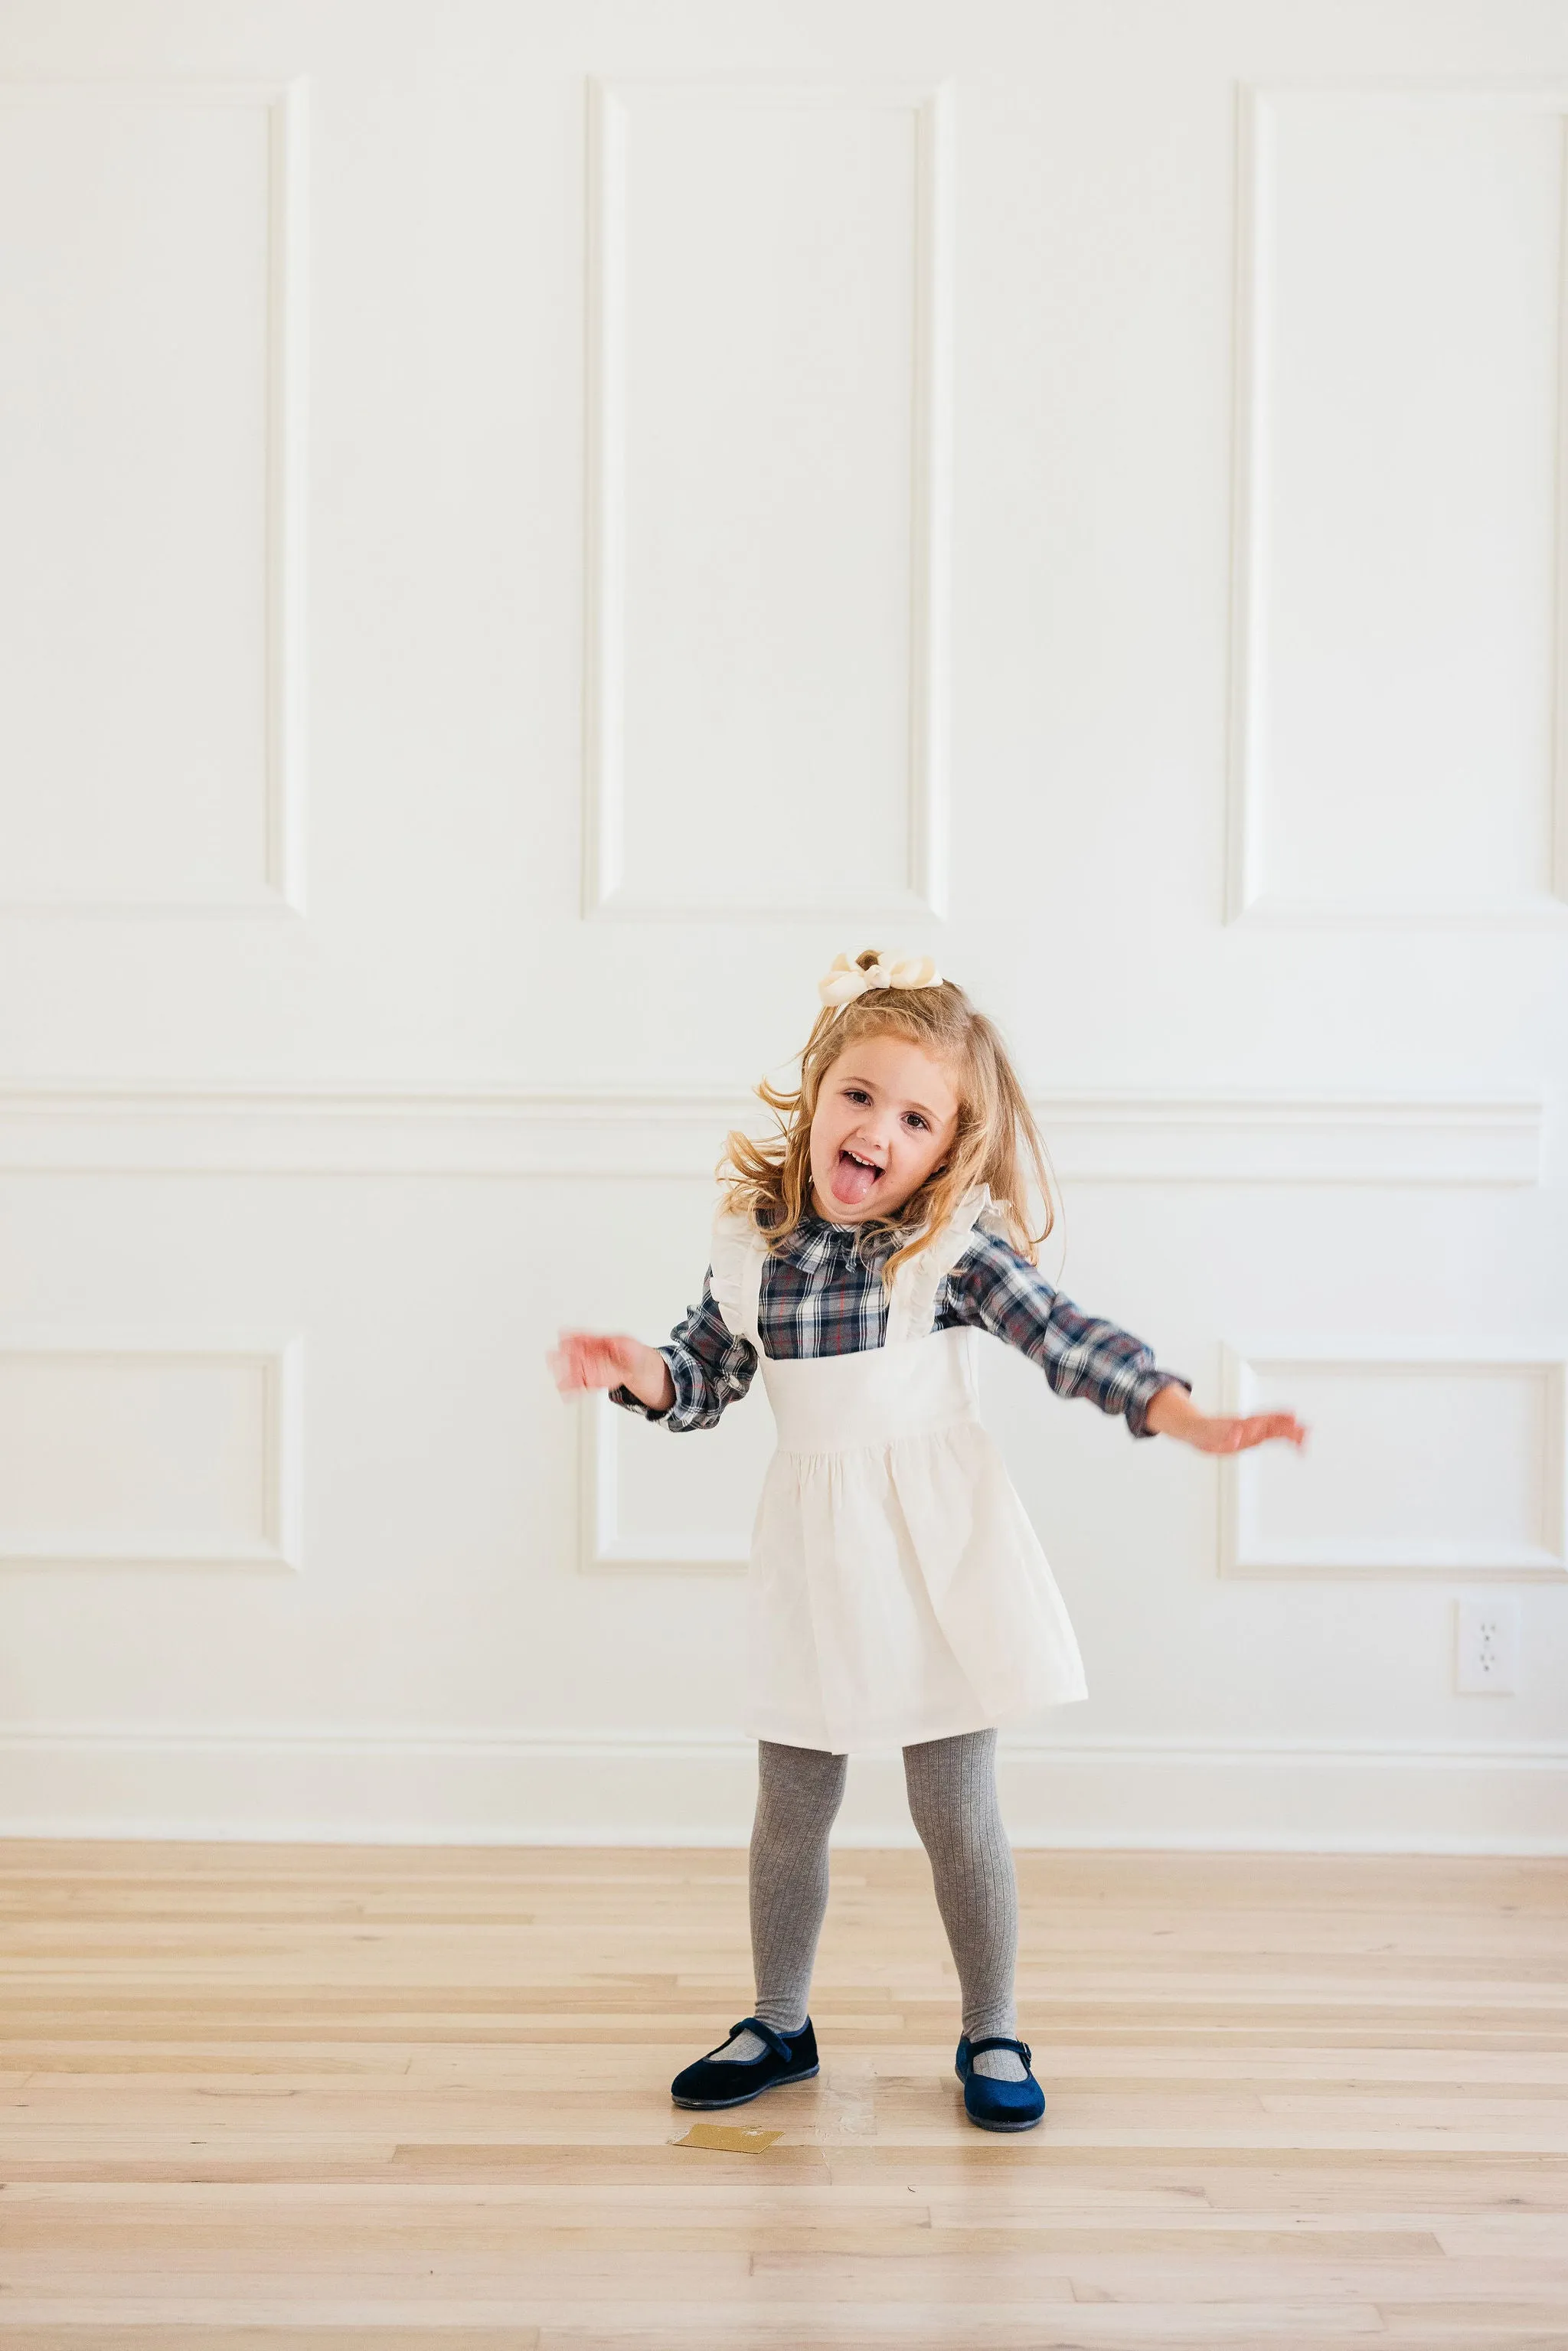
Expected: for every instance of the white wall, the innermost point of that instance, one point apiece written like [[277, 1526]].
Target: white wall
[[529, 532]]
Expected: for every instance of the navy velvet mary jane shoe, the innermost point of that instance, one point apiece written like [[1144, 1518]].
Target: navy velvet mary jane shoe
[[999, 2105], [730, 2082]]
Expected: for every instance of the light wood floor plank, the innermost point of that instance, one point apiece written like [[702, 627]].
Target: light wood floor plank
[[257, 2099]]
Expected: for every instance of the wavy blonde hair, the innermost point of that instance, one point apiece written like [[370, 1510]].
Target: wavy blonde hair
[[995, 1142]]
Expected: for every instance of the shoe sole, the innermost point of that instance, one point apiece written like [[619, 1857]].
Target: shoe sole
[[715, 2106]]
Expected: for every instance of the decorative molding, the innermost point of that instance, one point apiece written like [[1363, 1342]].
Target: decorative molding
[[280, 1364], [1243, 1552], [601, 1544], [407, 1783], [287, 498], [123, 1126], [924, 889], [1247, 897], [281, 889]]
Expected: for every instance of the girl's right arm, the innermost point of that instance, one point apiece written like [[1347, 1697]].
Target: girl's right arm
[[685, 1384]]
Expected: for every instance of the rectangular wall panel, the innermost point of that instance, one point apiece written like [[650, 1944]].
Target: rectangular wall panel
[[1397, 633], [150, 1457], [767, 497], [1419, 1462], [651, 1500], [150, 567]]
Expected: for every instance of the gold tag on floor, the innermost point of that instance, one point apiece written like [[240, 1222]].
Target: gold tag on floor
[[728, 2139]]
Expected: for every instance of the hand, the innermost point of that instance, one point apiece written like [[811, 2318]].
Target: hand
[[595, 1359], [1172, 1413]]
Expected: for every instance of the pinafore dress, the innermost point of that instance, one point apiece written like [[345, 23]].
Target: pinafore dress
[[897, 1591]]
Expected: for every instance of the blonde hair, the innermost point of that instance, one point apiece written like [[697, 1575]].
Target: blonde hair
[[995, 1141]]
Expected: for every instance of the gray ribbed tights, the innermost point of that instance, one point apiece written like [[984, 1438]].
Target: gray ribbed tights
[[952, 1787]]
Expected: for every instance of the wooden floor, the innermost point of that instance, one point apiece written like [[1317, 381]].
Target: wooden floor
[[283, 2099]]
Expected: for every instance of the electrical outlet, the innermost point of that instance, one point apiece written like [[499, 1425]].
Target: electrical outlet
[[1487, 1646]]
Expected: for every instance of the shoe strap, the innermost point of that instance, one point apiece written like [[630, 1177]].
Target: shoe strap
[[775, 2041], [997, 2041]]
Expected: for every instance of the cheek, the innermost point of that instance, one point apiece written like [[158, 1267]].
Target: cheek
[[929, 1149]]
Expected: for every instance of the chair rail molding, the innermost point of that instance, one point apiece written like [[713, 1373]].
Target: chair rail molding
[[115, 1125]]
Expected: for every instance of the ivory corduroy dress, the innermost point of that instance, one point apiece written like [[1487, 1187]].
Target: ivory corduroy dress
[[897, 1591]]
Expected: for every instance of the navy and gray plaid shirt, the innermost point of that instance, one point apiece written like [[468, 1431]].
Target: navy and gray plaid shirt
[[820, 1296]]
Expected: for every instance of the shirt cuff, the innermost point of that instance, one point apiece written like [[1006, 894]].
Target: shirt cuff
[[1144, 1390], [683, 1409], [629, 1402]]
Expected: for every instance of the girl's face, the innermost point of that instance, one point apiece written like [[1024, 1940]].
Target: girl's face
[[886, 1116]]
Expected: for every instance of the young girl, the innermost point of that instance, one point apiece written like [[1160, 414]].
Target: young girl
[[896, 1594]]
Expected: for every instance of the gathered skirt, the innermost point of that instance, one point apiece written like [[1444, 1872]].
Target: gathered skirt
[[897, 1592]]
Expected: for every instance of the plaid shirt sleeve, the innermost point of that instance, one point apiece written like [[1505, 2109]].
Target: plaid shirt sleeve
[[710, 1366], [993, 1288]]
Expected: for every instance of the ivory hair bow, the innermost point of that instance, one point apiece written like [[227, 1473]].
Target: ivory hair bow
[[846, 977]]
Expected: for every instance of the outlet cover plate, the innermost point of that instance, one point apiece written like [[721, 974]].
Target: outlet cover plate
[[1486, 1647]]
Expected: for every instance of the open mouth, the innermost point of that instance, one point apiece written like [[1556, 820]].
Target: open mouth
[[853, 1177]]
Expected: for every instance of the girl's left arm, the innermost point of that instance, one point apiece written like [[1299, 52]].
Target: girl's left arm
[[995, 1289]]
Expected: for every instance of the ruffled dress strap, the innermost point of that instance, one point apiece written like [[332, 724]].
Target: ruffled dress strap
[[735, 1254], [912, 1310]]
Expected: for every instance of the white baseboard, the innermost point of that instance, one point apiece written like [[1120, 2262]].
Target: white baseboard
[[392, 1786]]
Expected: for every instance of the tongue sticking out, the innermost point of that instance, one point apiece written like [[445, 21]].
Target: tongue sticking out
[[852, 1182]]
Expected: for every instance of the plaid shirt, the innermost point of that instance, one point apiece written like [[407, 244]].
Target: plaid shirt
[[820, 1296]]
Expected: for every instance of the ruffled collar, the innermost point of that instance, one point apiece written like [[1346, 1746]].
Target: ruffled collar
[[815, 1236]]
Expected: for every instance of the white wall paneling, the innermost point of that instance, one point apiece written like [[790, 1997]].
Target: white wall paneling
[[152, 565], [1429, 1460], [649, 1501], [1135, 1137], [447, 1538], [126, 1453], [769, 366], [1398, 662], [776, 479]]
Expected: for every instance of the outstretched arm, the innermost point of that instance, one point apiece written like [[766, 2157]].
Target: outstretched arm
[[996, 1289], [685, 1384]]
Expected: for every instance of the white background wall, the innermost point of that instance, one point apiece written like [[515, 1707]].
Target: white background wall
[[529, 530]]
